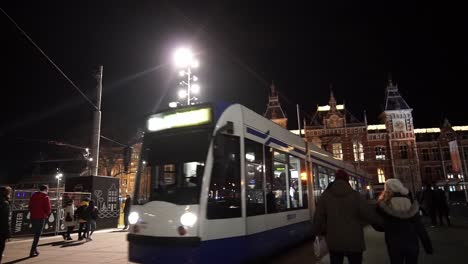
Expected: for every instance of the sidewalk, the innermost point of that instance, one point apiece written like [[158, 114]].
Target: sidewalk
[[108, 246], [450, 246]]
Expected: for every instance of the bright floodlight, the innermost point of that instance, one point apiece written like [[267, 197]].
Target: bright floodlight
[[183, 57], [173, 104], [195, 64], [182, 93], [181, 73], [195, 88], [59, 176], [195, 78]]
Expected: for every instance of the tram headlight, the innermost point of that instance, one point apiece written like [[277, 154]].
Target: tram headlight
[[188, 219], [133, 218]]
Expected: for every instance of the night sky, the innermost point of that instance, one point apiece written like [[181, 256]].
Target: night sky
[[241, 46]]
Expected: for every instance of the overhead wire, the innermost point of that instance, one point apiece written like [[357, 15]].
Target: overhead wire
[[49, 59]]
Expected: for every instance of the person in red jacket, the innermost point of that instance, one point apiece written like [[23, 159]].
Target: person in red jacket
[[39, 208]]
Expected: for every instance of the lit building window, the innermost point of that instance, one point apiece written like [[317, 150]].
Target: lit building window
[[337, 151], [380, 153], [381, 175], [358, 151]]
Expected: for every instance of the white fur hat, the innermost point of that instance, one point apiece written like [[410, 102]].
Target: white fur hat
[[396, 186]]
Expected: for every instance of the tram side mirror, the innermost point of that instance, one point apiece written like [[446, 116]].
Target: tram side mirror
[[218, 150]]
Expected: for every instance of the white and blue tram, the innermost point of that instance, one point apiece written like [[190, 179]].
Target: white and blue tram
[[224, 184]]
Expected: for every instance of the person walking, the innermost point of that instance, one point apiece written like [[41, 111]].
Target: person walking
[[81, 215], [128, 204], [402, 225], [340, 214], [92, 217], [70, 222], [5, 192], [442, 207], [40, 209], [428, 198]]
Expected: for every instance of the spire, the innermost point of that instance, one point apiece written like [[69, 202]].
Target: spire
[[393, 99], [446, 123], [274, 110], [273, 89], [365, 117], [332, 101]]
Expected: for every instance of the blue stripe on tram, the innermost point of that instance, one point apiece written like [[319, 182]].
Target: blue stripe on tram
[[226, 250]]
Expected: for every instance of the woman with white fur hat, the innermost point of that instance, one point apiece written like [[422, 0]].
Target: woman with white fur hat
[[402, 224]]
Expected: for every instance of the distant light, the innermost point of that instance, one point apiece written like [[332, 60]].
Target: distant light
[[183, 57], [90, 159], [195, 88], [182, 94], [303, 176], [173, 104], [195, 64], [250, 156], [368, 187], [195, 78], [144, 162], [181, 73], [59, 176]]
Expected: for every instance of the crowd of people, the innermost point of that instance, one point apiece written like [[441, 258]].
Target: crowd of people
[[339, 217], [342, 211]]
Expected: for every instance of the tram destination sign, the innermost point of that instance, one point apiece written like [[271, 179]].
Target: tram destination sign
[[179, 118]]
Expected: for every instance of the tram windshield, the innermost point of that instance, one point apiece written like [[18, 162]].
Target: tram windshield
[[172, 167]]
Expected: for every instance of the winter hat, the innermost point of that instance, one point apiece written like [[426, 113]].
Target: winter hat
[[396, 186], [341, 175]]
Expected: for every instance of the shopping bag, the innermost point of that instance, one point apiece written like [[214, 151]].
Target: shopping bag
[[320, 247]]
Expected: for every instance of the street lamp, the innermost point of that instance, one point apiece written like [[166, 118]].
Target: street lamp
[[184, 58]]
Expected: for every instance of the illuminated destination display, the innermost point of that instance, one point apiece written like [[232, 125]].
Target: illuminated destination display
[[182, 118]]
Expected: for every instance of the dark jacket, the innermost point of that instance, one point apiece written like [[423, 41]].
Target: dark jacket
[[39, 206], [128, 204], [428, 199], [92, 212], [4, 215], [82, 213], [441, 200], [402, 226], [340, 216]]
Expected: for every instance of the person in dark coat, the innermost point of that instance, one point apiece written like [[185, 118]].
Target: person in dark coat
[[128, 205], [428, 200], [82, 216], [442, 206], [402, 225], [339, 216], [40, 209], [93, 213], [4, 215]]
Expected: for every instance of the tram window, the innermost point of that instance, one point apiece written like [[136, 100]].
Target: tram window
[[224, 197], [297, 182], [323, 178], [280, 186], [270, 195], [255, 196]]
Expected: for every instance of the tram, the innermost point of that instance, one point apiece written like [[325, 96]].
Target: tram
[[223, 184]]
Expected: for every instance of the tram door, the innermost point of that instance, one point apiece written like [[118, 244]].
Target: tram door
[[255, 195]]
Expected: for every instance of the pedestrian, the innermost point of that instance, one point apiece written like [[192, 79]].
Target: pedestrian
[[5, 192], [128, 204], [81, 215], [442, 207], [428, 202], [93, 213], [69, 212], [340, 214], [402, 225], [40, 209]]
